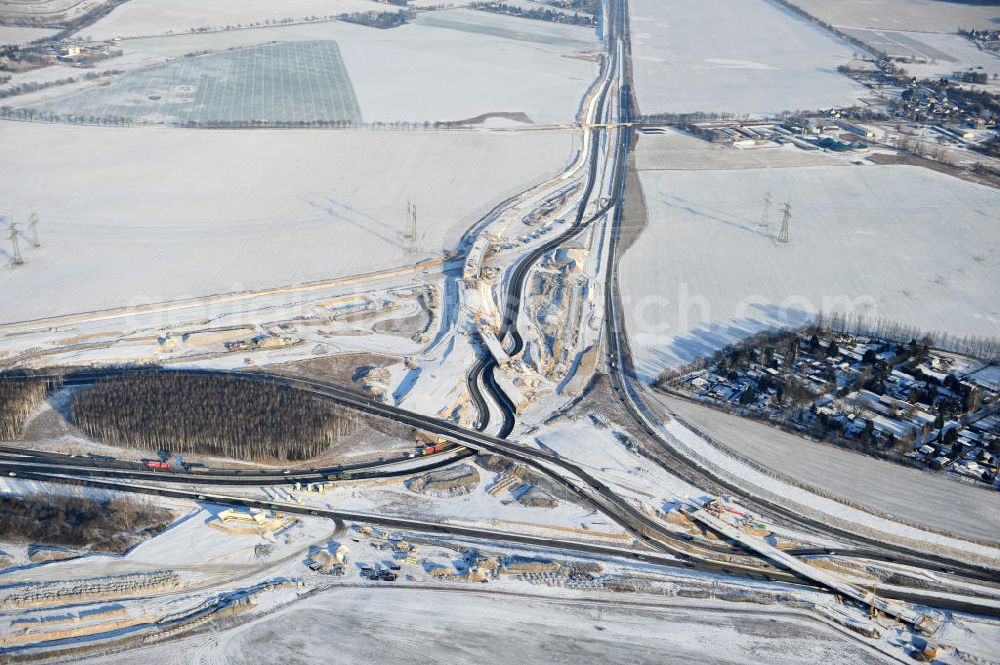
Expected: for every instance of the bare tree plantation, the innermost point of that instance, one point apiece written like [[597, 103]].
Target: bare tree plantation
[[20, 394], [212, 415], [106, 525]]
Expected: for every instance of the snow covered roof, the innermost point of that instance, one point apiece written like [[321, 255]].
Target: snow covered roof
[[892, 426]]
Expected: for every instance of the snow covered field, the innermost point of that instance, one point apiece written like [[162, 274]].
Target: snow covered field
[[10, 34], [918, 497], [133, 216], [417, 626], [919, 15], [46, 11], [445, 66], [893, 242], [155, 17], [946, 53], [605, 456], [301, 81], [736, 56]]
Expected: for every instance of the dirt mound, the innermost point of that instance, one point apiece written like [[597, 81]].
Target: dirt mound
[[453, 481]]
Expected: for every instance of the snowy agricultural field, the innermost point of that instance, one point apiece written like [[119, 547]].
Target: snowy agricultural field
[[945, 53], [414, 626], [446, 66], [136, 216], [918, 497], [901, 243], [603, 454], [45, 12], [297, 82], [734, 56], [10, 34], [917, 15], [137, 18]]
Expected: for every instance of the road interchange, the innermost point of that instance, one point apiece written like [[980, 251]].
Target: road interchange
[[610, 142]]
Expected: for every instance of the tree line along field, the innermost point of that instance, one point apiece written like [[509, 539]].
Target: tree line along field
[[211, 415], [105, 525]]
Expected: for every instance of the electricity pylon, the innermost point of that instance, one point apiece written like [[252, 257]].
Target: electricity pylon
[[765, 218], [33, 227], [787, 217], [12, 234], [410, 234]]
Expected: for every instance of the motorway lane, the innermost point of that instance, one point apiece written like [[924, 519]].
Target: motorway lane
[[619, 361], [382, 468], [511, 302], [472, 382], [598, 495], [728, 569], [27, 461], [595, 492], [590, 490]]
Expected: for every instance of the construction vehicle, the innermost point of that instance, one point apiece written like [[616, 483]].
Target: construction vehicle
[[718, 507], [430, 450], [383, 575]]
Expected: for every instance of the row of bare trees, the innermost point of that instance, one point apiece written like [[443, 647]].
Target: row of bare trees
[[212, 415], [20, 394], [981, 347]]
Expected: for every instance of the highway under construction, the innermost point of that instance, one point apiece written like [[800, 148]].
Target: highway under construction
[[711, 533], [658, 544]]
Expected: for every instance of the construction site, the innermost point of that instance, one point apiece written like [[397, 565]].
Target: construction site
[[341, 332]]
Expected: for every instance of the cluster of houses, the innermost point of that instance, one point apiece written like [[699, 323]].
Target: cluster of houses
[[988, 40], [962, 118], [930, 103], [933, 408]]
